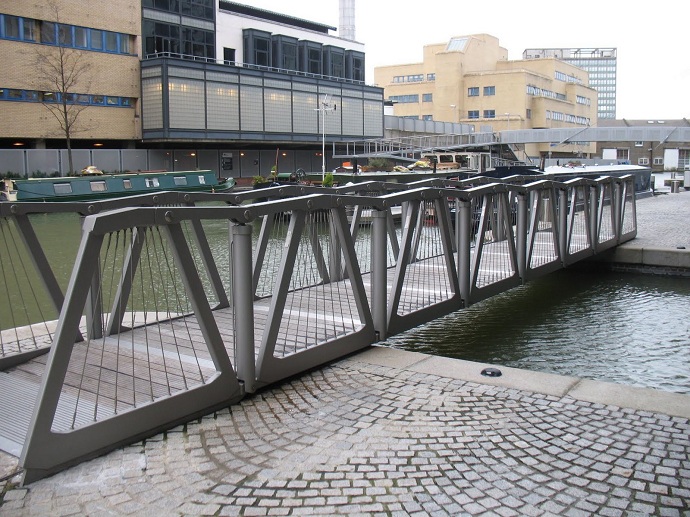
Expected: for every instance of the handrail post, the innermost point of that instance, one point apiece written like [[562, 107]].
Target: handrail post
[[379, 271], [463, 223], [594, 216], [243, 304], [616, 206], [521, 234], [563, 237]]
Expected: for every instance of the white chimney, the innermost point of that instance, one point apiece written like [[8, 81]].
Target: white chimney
[[347, 20]]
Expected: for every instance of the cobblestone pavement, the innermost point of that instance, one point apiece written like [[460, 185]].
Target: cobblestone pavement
[[663, 221], [359, 438]]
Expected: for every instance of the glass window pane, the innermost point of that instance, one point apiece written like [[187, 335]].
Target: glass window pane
[[96, 39], [11, 27], [111, 42], [80, 37], [48, 32]]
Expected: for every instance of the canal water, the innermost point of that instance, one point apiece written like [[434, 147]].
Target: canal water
[[617, 327]]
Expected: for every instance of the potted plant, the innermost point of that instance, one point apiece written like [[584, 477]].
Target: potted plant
[[328, 180]]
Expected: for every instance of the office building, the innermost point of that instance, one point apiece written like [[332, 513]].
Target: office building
[[470, 80], [599, 63], [188, 81]]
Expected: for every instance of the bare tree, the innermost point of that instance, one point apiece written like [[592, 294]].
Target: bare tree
[[63, 73]]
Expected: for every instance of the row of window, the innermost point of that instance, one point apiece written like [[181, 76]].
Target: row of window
[[540, 92], [414, 78], [410, 99], [567, 78], [583, 100], [566, 117], [288, 53], [405, 99], [197, 8], [473, 91], [60, 34], [10, 94], [592, 63], [645, 161]]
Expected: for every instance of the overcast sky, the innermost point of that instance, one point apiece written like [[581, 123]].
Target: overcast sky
[[653, 64]]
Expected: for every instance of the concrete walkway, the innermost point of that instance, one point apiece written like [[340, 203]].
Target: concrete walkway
[[388, 432]]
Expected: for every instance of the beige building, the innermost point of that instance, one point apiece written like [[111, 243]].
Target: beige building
[[100, 49], [470, 80]]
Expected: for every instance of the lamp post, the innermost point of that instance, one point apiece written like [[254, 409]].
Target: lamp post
[[325, 106]]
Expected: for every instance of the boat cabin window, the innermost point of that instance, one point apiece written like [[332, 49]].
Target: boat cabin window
[[98, 186], [180, 180], [202, 180], [445, 158], [152, 182], [127, 184], [62, 188]]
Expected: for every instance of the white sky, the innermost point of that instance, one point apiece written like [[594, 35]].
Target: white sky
[[653, 65]]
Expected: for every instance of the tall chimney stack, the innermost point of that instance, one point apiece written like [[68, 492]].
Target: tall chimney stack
[[347, 20]]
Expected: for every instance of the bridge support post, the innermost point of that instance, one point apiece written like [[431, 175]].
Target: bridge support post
[[379, 269], [617, 207], [521, 234], [594, 223], [463, 234], [563, 237], [243, 303]]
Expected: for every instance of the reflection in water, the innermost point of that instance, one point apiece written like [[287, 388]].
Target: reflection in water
[[629, 329]]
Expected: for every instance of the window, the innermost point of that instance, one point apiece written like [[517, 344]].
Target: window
[[202, 180], [228, 55], [427, 97], [427, 117], [11, 27], [48, 33], [180, 180], [127, 184], [528, 114], [96, 39], [473, 114], [98, 186], [643, 161], [62, 188], [473, 91], [489, 90], [430, 77], [658, 160], [489, 113], [639, 144], [152, 182]]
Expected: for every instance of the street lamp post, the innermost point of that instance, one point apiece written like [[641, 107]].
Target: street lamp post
[[325, 106]]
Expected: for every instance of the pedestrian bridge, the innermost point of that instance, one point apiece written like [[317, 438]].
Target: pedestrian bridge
[[178, 303]]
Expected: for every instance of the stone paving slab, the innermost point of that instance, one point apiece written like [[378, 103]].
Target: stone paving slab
[[378, 434]]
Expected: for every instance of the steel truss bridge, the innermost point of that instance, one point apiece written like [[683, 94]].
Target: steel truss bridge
[[409, 147], [178, 303]]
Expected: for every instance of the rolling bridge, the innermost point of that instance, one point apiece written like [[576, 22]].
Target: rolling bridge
[[179, 304]]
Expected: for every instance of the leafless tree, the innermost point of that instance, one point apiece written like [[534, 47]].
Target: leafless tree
[[63, 73]]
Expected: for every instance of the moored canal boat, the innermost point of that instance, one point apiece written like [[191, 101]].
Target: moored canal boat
[[102, 186]]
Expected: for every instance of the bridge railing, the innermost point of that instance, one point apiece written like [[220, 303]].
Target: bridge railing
[[173, 309]]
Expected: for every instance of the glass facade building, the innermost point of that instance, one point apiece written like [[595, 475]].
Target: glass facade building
[[599, 63]]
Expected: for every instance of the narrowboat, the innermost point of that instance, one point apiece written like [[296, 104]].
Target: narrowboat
[[92, 186]]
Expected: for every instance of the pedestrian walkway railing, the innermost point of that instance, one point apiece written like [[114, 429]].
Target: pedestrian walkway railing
[[177, 304]]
